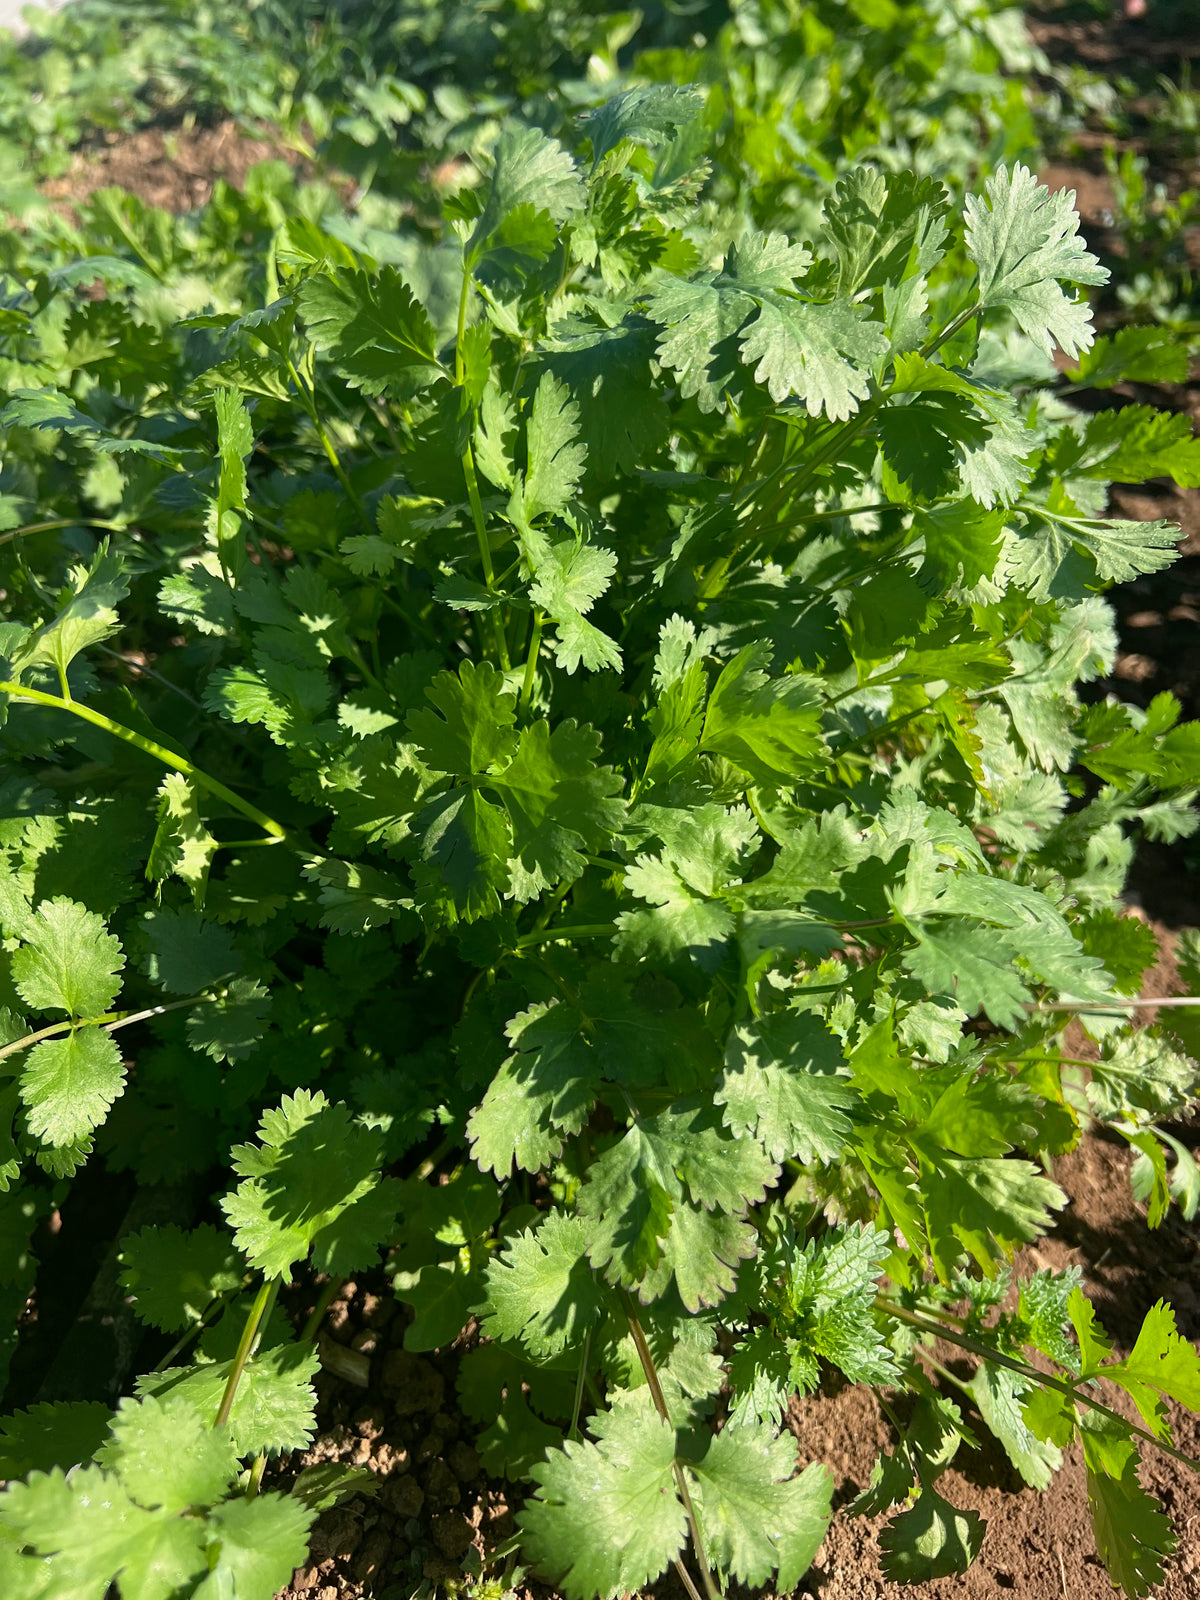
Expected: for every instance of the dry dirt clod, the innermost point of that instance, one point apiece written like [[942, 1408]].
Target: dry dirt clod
[[412, 1383], [404, 1497]]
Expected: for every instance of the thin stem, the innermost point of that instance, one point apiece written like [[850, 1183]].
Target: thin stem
[[579, 1382], [467, 461], [148, 747], [196, 1328], [62, 522], [313, 1326], [951, 328], [660, 1405], [535, 645], [308, 399], [256, 1475], [259, 1312], [582, 930], [110, 1022], [915, 1320], [1110, 1005]]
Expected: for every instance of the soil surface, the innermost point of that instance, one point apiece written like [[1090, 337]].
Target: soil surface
[[172, 168], [395, 1414]]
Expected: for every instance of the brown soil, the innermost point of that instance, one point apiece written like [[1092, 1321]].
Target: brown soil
[[174, 169]]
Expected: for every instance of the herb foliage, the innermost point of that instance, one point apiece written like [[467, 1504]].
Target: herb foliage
[[588, 694]]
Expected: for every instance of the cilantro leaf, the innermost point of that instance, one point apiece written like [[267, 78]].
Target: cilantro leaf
[[313, 1163], [768, 726], [274, 1408], [782, 1087], [541, 1289], [68, 961], [167, 1454], [1024, 241], [374, 328], [62, 1433], [528, 169], [259, 1544], [605, 1518], [87, 613], [68, 1084], [932, 1539], [756, 1517], [174, 1275]]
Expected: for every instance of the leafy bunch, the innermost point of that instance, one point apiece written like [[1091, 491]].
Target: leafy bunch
[[603, 716]]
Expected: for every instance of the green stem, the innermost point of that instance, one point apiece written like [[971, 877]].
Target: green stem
[[1110, 1005], [915, 1320], [313, 1326], [184, 1339], [582, 930], [308, 399], [579, 1382], [148, 747], [660, 1405], [951, 328], [62, 522], [111, 1022], [259, 1312], [256, 1476], [535, 645], [467, 461]]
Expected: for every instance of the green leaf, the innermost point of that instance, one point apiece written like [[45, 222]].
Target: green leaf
[[87, 613], [182, 846], [68, 1084], [443, 1294], [555, 458], [756, 1517], [274, 1408], [828, 1307], [528, 169], [166, 1454], [87, 1530], [623, 417], [235, 441], [782, 1086], [768, 726], [68, 961], [230, 1028], [998, 1393], [1132, 444], [560, 801], [605, 1518], [932, 1539], [541, 1289], [259, 1544], [987, 1205], [373, 328], [63, 1434], [650, 114], [884, 227], [185, 953], [1024, 241], [700, 317], [1133, 1536], [471, 727], [313, 1163], [822, 353], [973, 966], [356, 897], [1151, 354], [174, 1274], [635, 1201]]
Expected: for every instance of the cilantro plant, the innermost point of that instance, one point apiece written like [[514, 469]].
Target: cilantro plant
[[588, 703]]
